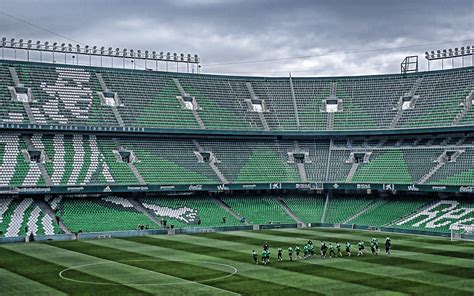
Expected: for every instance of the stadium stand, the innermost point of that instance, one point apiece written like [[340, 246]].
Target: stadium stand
[[19, 217], [388, 211], [69, 95], [198, 112], [185, 211], [439, 216], [100, 214], [308, 208], [258, 209]]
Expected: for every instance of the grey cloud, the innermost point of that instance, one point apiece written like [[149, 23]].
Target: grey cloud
[[238, 30]]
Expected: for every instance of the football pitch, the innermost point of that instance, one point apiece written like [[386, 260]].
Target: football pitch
[[221, 264]]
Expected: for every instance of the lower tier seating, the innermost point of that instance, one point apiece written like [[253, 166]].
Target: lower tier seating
[[439, 216], [185, 211], [100, 214], [19, 217], [387, 211], [258, 210], [308, 208]]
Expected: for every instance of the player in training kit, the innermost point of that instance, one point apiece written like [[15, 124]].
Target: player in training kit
[[331, 251], [255, 256], [264, 257], [388, 246], [305, 251], [323, 249], [280, 254], [311, 250], [361, 247], [376, 245], [373, 248], [290, 253], [338, 247], [297, 250], [348, 248]]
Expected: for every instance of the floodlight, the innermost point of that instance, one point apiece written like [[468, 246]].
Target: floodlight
[[146, 54], [21, 42], [182, 57], [12, 40], [196, 58], [46, 45], [168, 55], [139, 53], [189, 57], [161, 55], [131, 52], [175, 56], [94, 49]]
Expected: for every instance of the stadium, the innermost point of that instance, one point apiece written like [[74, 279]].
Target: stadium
[[119, 179]]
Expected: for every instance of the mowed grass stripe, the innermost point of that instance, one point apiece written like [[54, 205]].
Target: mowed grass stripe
[[342, 274], [403, 245], [393, 266], [422, 241], [364, 264], [46, 273], [411, 262], [237, 283], [246, 267], [15, 284], [353, 277], [119, 276]]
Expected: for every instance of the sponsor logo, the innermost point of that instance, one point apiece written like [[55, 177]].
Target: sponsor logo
[[303, 186], [335, 186], [468, 189], [75, 189], [140, 188], [275, 185], [170, 187], [439, 188], [249, 186], [107, 189], [413, 188], [315, 186], [363, 186], [34, 190], [195, 187], [222, 187], [388, 187]]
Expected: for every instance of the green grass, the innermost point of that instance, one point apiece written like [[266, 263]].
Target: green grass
[[200, 264]]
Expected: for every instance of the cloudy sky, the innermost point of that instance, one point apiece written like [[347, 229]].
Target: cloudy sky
[[230, 35]]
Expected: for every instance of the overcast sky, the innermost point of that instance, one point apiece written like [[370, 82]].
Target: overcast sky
[[227, 31]]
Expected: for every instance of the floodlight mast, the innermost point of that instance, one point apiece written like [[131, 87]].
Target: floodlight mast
[[457, 53], [102, 52]]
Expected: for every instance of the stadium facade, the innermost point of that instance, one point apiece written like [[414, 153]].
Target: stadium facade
[[149, 145]]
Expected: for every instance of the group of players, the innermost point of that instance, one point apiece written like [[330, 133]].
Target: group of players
[[308, 250]]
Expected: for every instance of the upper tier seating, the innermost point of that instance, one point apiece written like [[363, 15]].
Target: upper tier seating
[[68, 95], [81, 159]]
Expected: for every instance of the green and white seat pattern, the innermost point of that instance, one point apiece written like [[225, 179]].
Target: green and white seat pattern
[[15, 170], [67, 95], [17, 214], [440, 216], [100, 214]]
